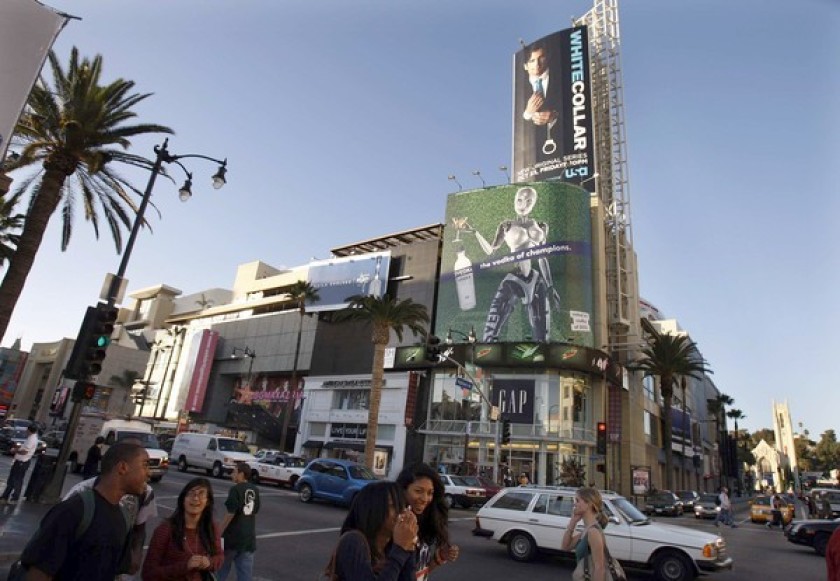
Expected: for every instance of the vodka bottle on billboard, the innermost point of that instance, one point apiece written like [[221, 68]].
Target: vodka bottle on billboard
[[375, 288], [464, 280]]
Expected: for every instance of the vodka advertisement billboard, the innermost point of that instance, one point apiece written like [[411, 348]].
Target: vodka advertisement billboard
[[338, 279], [516, 264], [552, 110]]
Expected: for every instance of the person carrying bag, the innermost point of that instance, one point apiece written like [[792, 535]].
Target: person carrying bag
[[594, 562]]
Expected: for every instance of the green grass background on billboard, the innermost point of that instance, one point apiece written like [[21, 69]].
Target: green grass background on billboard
[[565, 208]]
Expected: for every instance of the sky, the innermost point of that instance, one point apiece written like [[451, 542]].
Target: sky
[[341, 121]]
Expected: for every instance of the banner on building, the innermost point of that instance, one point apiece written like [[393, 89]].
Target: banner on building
[[27, 32], [552, 110], [202, 365], [338, 279]]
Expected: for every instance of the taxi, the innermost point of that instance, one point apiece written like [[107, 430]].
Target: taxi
[[761, 510]]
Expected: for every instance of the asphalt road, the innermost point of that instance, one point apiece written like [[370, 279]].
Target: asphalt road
[[295, 541]]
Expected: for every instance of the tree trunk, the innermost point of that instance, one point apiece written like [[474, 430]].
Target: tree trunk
[[377, 375], [667, 394], [287, 409], [20, 263]]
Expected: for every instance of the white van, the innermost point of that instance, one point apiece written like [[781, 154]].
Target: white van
[[216, 454]]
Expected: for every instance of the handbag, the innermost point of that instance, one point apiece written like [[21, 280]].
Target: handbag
[[615, 572]]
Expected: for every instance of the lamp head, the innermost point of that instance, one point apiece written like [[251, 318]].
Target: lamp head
[[185, 193], [219, 177]]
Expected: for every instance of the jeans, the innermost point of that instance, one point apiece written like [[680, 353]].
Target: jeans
[[243, 561], [724, 516], [14, 484]]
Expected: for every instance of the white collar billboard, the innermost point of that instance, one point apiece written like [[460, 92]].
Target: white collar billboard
[[517, 264]]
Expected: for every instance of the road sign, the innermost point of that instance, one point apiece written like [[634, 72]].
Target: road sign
[[463, 383]]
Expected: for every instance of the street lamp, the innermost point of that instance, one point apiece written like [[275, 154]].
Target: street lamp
[[245, 352], [53, 490]]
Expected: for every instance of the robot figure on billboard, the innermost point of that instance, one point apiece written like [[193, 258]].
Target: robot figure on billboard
[[533, 287]]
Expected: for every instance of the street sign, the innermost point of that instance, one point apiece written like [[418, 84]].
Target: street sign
[[463, 383]]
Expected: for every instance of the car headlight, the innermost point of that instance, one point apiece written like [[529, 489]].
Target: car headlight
[[795, 528]]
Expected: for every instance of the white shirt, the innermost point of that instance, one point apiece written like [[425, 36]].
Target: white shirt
[[27, 449]]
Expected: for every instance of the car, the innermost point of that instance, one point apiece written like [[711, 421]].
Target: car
[[216, 454], [812, 533], [707, 506], [54, 438], [688, 498], [11, 437], [459, 491], [334, 480], [762, 512], [279, 469], [532, 519], [663, 502], [487, 484], [263, 453], [832, 495]]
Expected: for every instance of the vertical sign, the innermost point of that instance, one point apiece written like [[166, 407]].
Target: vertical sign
[[201, 371]]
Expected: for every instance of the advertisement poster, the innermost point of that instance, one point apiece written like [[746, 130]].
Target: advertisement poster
[[338, 279], [641, 481], [515, 399], [516, 264], [552, 110]]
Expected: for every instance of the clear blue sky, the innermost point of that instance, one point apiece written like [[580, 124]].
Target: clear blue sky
[[342, 120]]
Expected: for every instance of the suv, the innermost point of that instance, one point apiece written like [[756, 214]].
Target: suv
[[529, 519]]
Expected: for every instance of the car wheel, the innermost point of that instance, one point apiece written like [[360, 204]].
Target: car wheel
[[821, 544], [521, 547], [466, 504], [292, 481], [255, 477], [305, 494], [182, 464], [217, 470], [448, 500], [672, 566]]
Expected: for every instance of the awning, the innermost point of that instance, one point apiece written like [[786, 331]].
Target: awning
[[357, 446], [313, 444]]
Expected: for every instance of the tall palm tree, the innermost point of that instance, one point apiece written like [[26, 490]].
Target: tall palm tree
[[75, 128], [717, 408], [668, 357], [736, 414], [384, 315], [10, 224], [300, 292]]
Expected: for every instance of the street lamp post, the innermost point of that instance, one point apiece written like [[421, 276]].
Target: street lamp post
[[52, 492], [250, 354], [465, 402]]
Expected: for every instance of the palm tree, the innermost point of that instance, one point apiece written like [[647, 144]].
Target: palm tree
[[736, 415], [668, 357], [74, 128], [384, 315], [717, 408], [126, 382], [9, 225], [300, 292]]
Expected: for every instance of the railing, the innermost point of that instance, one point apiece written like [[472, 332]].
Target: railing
[[488, 428]]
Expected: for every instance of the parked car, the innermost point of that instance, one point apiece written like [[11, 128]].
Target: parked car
[[279, 469], [833, 497], [491, 487], [459, 491], [334, 480], [706, 506], [688, 498], [54, 438], [812, 533], [663, 502], [762, 512], [530, 519], [263, 453], [216, 454], [12, 437]]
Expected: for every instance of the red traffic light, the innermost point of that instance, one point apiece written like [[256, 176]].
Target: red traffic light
[[602, 427]]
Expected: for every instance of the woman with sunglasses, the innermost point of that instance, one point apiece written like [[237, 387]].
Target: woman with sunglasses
[[186, 545]]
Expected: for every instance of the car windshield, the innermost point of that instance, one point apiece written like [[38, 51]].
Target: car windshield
[[662, 497], [147, 440], [686, 495], [471, 480], [231, 445], [708, 498], [361, 473], [629, 511], [295, 462], [19, 434]]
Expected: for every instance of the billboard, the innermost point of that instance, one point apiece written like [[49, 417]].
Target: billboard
[[552, 110], [201, 358], [338, 279], [516, 264]]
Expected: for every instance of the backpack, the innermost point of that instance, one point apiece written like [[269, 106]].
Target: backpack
[[17, 572]]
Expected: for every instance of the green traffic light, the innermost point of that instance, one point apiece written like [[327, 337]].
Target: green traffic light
[[103, 341]]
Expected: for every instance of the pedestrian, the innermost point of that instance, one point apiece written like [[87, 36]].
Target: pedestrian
[[58, 551], [776, 511], [725, 514], [186, 546], [377, 538], [425, 496], [22, 459], [832, 556], [524, 480], [239, 525], [590, 545], [94, 455]]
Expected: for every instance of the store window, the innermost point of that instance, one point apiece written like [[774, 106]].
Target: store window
[[318, 429], [351, 399], [648, 384]]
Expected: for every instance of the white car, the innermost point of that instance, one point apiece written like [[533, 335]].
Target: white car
[[457, 491], [529, 519], [279, 469]]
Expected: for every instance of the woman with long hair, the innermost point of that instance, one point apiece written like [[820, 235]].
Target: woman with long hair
[[588, 508], [187, 544], [377, 537], [425, 493]]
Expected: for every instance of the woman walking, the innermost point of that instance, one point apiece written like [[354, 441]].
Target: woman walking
[[425, 493], [590, 542], [187, 545]]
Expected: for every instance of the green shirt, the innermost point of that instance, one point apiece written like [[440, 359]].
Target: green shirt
[[243, 502]]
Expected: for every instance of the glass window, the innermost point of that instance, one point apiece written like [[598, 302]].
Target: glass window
[[514, 501], [351, 399], [318, 429], [541, 505], [648, 384], [386, 431]]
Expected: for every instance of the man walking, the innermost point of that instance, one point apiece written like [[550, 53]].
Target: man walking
[[23, 457], [60, 550], [239, 525], [725, 514]]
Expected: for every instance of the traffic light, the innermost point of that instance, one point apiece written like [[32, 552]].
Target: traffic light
[[83, 391], [601, 468], [505, 431], [92, 342], [601, 441], [433, 349]]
